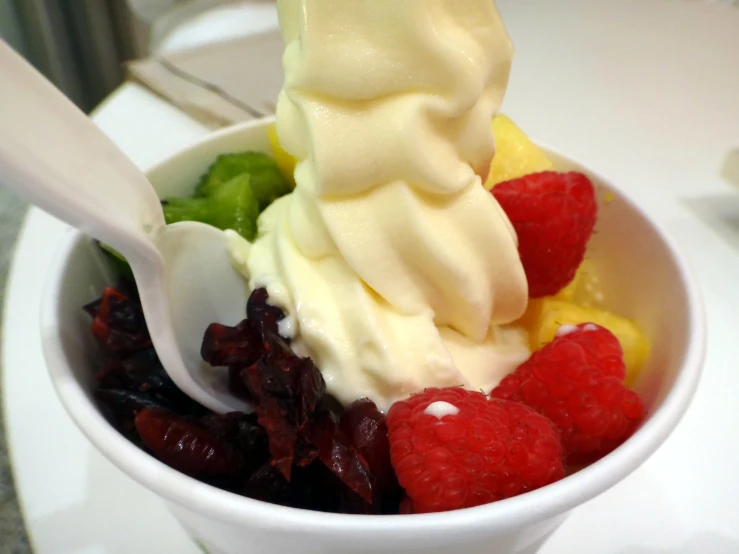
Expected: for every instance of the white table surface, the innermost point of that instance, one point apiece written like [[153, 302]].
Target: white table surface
[[646, 92]]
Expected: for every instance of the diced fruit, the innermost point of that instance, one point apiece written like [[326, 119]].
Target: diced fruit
[[235, 205], [266, 180], [544, 317], [553, 215], [231, 206], [284, 161], [186, 209], [576, 289], [453, 448], [185, 445], [118, 323], [515, 154], [577, 381], [568, 293], [365, 427]]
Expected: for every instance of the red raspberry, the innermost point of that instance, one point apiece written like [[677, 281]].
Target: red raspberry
[[487, 451], [577, 381], [553, 215]]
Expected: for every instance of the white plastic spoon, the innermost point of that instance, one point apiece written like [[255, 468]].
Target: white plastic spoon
[[52, 153]]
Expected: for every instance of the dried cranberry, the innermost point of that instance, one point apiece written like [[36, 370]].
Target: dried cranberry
[[330, 404], [125, 403], [120, 406], [236, 384], [365, 427], [337, 454], [223, 345], [243, 433], [286, 390], [119, 323], [313, 487], [185, 445], [144, 373], [141, 371], [262, 317], [269, 485]]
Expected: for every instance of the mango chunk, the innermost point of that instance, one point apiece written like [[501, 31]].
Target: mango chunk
[[583, 289], [285, 162], [544, 317], [515, 154]]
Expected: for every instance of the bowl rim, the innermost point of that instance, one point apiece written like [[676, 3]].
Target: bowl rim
[[557, 498]]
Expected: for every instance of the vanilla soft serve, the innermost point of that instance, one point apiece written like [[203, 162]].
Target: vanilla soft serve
[[397, 269]]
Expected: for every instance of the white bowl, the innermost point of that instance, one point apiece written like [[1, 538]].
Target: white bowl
[[643, 277]]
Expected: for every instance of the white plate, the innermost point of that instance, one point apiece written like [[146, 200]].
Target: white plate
[[650, 99]]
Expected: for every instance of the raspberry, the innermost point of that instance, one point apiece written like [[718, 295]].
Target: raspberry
[[577, 382], [477, 451], [553, 215]]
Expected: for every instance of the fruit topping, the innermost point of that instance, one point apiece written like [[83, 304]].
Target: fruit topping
[[289, 395], [233, 205], [553, 215], [265, 179], [545, 316], [577, 381], [118, 322], [293, 450], [366, 428], [515, 154], [188, 446], [487, 451], [284, 161]]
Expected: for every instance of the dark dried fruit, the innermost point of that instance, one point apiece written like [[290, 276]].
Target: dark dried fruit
[[185, 445], [243, 434], [269, 485], [313, 487], [337, 454], [119, 323], [225, 346], [286, 390], [330, 404], [143, 372], [262, 316], [291, 450], [365, 427], [124, 403], [236, 384]]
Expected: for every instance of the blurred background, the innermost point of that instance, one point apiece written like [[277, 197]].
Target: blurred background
[[82, 45], [79, 44]]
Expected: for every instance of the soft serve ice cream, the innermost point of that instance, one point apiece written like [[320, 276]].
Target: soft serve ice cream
[[397, 269]]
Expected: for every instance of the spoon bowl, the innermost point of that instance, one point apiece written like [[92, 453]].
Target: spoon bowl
[[52, 154]]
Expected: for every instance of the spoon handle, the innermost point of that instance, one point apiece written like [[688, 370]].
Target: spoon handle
[[53, 154]]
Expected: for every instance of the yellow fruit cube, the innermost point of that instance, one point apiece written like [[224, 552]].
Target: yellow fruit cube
[[285, 162], [583, 289], [544, 316], [515, 154], [568, 293]]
